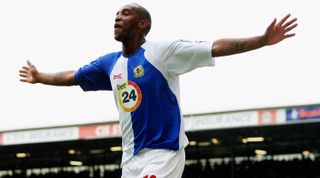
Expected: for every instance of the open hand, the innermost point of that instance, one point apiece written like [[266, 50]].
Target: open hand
[[28, 73], [277, 32]]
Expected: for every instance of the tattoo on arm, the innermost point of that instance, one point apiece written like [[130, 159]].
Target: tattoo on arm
[[237, 46], [246, 45], [225, 47]]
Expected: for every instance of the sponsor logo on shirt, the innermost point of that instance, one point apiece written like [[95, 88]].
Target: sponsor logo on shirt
[[138, 71], [129, 96]]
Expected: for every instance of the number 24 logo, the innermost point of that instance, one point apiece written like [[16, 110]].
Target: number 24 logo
[[127, 97]]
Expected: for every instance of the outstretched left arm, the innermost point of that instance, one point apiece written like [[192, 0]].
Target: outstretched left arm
[[275, 33]]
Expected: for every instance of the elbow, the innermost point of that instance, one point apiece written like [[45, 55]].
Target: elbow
[[217, 49], [71, 79]]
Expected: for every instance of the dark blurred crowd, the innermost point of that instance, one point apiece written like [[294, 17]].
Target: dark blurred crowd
[[295, 168]]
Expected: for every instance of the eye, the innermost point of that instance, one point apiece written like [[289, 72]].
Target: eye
[[126, 12]]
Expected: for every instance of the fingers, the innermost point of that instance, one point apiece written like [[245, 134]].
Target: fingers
[[289, 23], [289, 35], [284, 19], [23, 80], [23, 75], [26, 72], [287, 26], [23, 71], [29, 63], [25, 68], [272, 24], [290, 28]]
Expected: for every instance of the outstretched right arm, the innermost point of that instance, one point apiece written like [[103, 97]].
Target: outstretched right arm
[[30, 74]]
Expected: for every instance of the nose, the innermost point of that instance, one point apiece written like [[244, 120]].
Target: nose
[[118, 17]]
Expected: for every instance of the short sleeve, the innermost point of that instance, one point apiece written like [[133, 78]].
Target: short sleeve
[[93, 77], [183, 56]]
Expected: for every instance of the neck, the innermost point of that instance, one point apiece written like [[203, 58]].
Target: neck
[[131, 46]]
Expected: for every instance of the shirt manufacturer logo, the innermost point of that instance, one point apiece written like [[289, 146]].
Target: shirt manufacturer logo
[[138, 71], [117, 76]]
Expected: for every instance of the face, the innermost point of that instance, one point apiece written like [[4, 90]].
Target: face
[[126, 23]]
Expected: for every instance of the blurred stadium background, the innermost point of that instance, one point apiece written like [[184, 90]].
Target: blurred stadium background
[[258, 143], [253, 143]]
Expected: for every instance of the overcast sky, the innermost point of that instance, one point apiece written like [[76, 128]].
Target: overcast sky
[[59, 35]]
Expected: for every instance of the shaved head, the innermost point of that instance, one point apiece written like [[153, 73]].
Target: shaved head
[[144, 15]]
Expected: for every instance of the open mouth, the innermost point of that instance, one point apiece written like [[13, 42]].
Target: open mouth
[[116, 26]]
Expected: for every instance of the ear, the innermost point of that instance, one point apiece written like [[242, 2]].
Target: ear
[[143, 24]]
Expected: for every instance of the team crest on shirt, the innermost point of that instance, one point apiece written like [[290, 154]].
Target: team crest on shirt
[[138, 71]]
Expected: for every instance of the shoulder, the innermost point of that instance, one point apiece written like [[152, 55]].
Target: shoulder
[[157, 47], [184, 42], [109, 57], [173, 44], [154, 44]]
